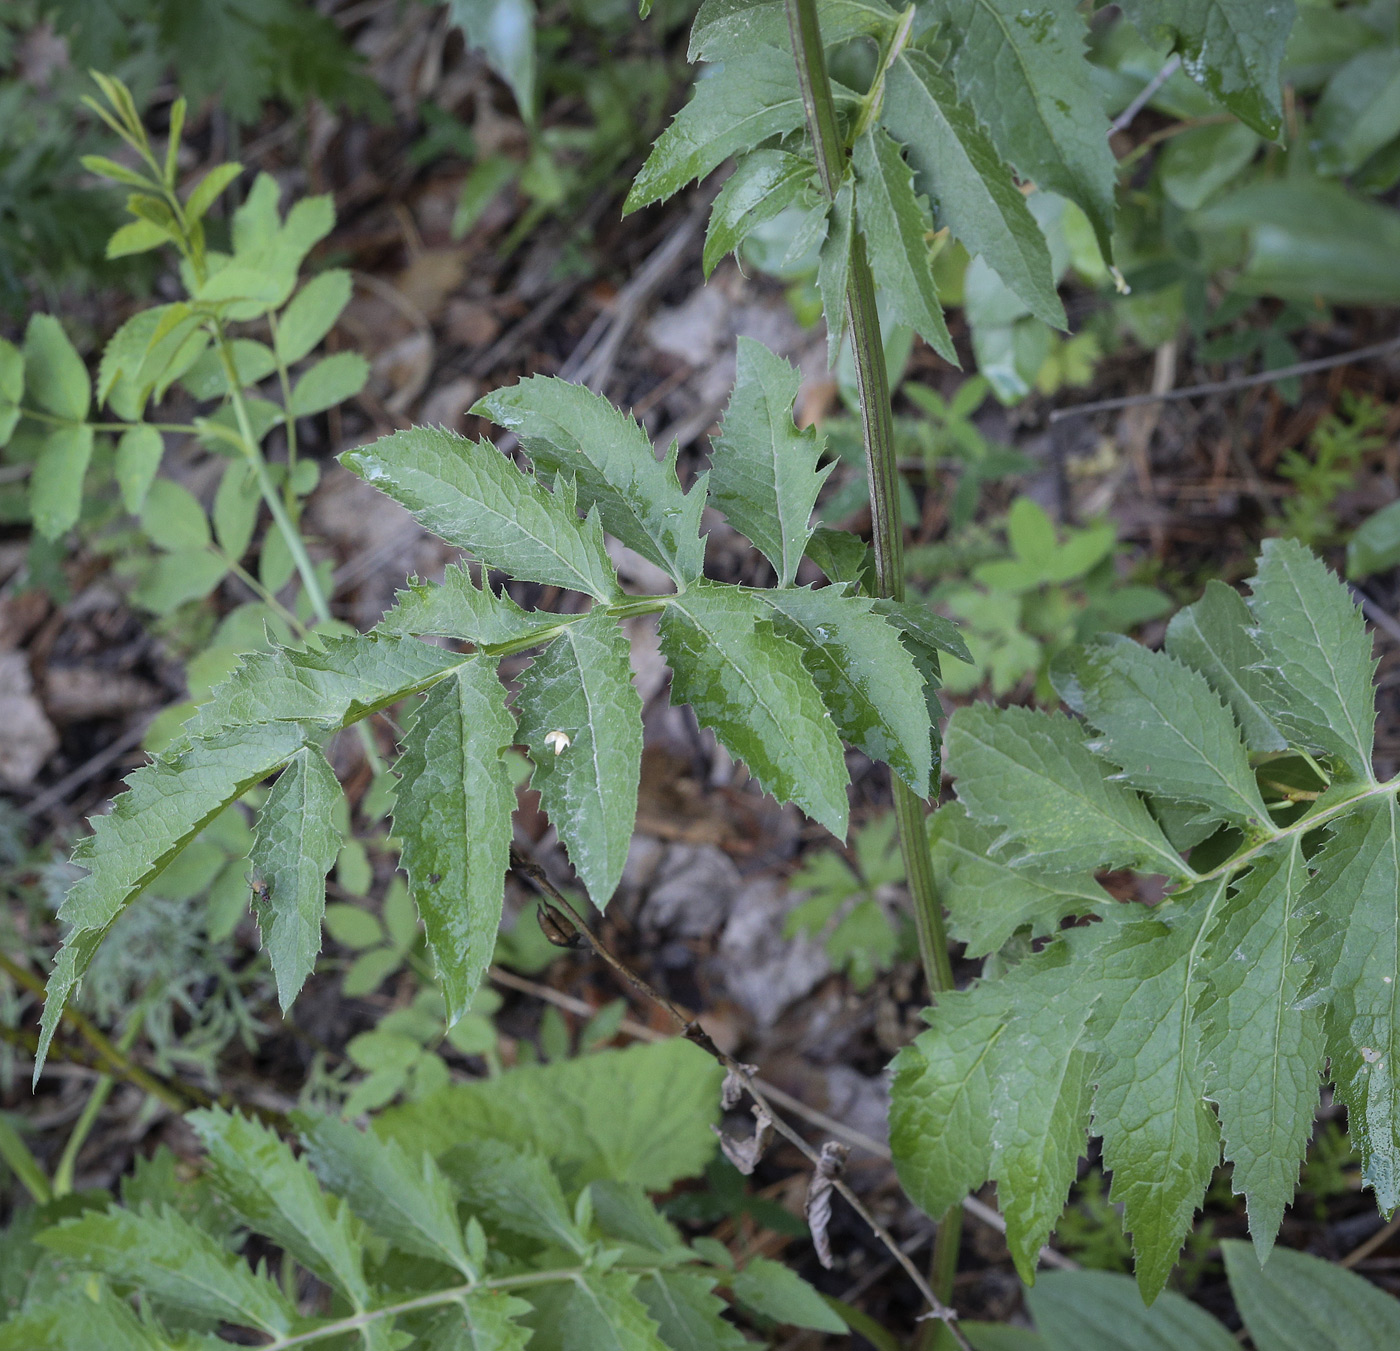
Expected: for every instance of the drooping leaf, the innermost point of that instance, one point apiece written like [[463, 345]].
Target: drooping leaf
[[867, 678], [504, 31], [458, 608], [471, 495], [958, 167], [1317, 655], [897, 229], [1231, 48], [452, 809], [1263, 1052], [295, 847], [748, 683], [764, 184], [567, 429], [1102, 1311], [763, 469], [1032, 775], [1022, 71], [582, 721]]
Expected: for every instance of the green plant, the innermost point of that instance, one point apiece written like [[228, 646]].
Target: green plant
[[1338, 444]]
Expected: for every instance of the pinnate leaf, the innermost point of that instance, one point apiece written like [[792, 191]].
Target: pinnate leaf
[[311, 314], [763, 470], [452, 809], [296, 846], [458, 608], [748, 683], [514, 1189], [474, 497]]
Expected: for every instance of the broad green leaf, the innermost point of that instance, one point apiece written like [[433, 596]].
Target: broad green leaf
[[413, 1206], [687, 1315], [167, 803], [504, 32], [598, 1313], [752, 97], [137, 236], [1022, 71], [925, 627], [139, 454], [988, 900], [866, 676], [173, 579], [1005, 1337], [1164, 726], [1353, 898], [236, 506], [458, 608], [330, 381], [1212, 637], [842, 556], [311, 314], [1374, 545], [56, 483], [765, 184], [452, 810], [166, 1257], [763, 470], [834, 266], [898, 229], [1317, 655], [295, 847], [748, 683], [11, 388], [54, 373], [568, 430], [724, 29], [1102, 1311], [1032, 775], [1160, 1137], [1359, 111], [958, 167], [173, 519], [1232, 48], [514, 1189], [1296, 1302], [568, 1111], [1263, 1053], [779, 1293], [1197, 164], [474, 497], [581, 687], [79, 1323], [277, 1195]]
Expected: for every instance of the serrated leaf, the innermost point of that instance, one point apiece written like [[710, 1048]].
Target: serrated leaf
[[413, 1206], [898, 229], [747, 683], [56, 482], [1263, 1053], [1231, 48], [1031, 775], [567, 429], [98, 1318], [587, 780], [765, 184], [687, 1315], [1317, 655], [165, 1256], [957, 165], [987, 899], [487, 1323], [452, 809], [1022, 70], [834, 266], [1212, 637], [139, 454], [1297, 1302], [1353, 898], [55, 375], [724, 29], [1102, 1311], [924, 627], [514, 1189], [277, 1195], [781, 1294], [474, 497], [1160, 1137], [504, 32], [752, 97], [311, 314], [166, 805], [602, 1314], [458, 608], [330, 381], [763, 470], [1164, 727], [295, 847], [866, 677]]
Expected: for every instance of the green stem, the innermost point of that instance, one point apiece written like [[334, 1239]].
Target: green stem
[[184, 428], [285, 380], [92, 1109]]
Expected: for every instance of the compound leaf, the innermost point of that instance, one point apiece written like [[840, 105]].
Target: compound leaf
[[54, 372], [452, 809], [458, 608], [567, 429], [295, 847], [488, 1324], [763, 469], [582, 721], [474, 497], [897, 229], [749, 684], [515, 1189], [311, 314], [56, 483], [330, 381], [687, 1315]]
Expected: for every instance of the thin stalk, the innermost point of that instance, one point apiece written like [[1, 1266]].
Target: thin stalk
[[92, 1109], [285, 380], [877, 426]]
